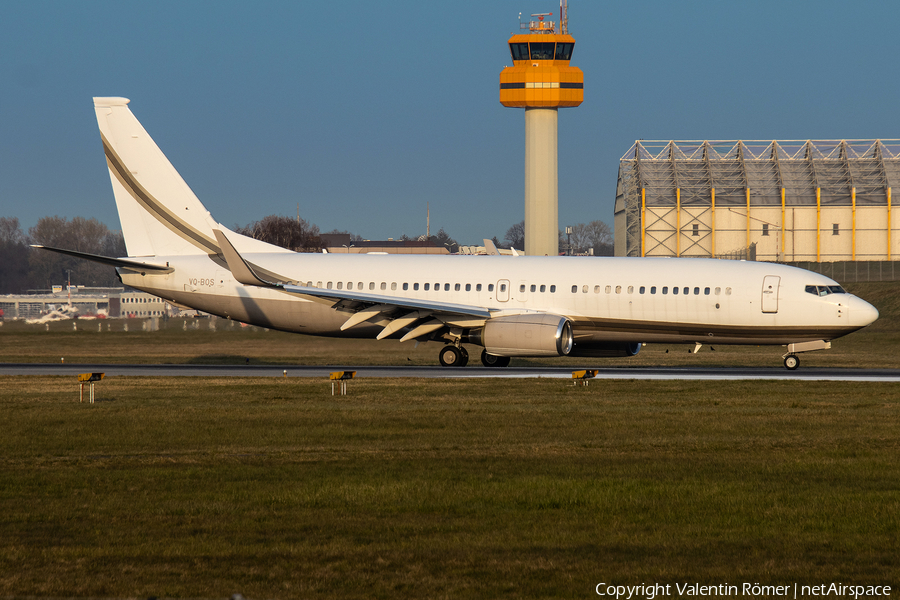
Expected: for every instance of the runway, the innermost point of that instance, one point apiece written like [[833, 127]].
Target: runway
[[645, 373]]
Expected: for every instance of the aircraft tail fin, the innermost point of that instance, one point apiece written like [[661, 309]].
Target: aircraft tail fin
[[159, 213]]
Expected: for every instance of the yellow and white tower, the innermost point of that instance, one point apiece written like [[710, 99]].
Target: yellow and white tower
[[541, 81]]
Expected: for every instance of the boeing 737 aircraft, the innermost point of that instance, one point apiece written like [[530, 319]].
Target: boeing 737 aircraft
[[509, 306]]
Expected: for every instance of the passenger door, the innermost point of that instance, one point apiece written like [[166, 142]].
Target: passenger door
[[770, 293], [503, 290]]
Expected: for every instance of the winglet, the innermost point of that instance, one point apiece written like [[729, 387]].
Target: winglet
[[242, 271]]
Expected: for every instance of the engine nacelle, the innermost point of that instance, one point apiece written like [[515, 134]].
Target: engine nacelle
[[531, 334], [605, 349]]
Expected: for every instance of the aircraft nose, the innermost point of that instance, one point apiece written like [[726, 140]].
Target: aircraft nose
[[861, 312]]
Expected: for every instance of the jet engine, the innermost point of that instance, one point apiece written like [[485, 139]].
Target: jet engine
[[530, 334]]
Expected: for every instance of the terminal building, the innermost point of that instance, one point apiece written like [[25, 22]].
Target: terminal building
[[86, 301], [809, 201]]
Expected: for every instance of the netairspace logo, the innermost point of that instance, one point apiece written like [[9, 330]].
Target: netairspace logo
[[649, 591]]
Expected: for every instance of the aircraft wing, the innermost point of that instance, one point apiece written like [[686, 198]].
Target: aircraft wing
[[394, 313]]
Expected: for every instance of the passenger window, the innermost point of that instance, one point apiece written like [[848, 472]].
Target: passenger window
[[674, 290], [686, 291], [456, 288], [618, 289], [630, 289], [552, 289], [584, 289], [727, 291], [349, 285], [533, 288], [706, 291], [653, 289], [543, 288], [696, 291], [608, 289], [502, 287], [427, 286], [718, 291], [574, 289], [405, 287], [318, 284], [371, 285], [359, 285], [309, 284], [330, 285], [477, 287], [490, 287], [437, 287], [415, 287], [596, 289], [340, 285], [665, 290], [522, 288], [394, 286], [468, 287], [383, 285], [641, 289]]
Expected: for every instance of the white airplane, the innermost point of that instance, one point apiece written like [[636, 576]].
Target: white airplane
[[510, 306]]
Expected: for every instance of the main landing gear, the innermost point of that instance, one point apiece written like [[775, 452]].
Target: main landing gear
[[452, 355], [491, 360]]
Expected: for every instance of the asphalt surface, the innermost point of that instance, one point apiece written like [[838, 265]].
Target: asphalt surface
[[661, 373]]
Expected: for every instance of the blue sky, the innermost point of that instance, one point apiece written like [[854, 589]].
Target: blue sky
[[363, 112]]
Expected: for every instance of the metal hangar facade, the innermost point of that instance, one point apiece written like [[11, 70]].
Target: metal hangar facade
[[784, 201]]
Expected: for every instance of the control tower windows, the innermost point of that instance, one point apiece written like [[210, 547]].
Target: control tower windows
[[519, 51], [564, 51], [542, 50]]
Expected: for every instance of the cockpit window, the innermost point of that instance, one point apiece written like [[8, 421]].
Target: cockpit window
[[824, 290]]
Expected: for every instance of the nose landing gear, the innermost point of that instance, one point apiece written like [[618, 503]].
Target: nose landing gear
[[791, 362]]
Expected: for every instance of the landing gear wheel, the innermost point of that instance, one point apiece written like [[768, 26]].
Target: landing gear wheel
[[791, 362], [451, 356], [465, 356], [492, 360]]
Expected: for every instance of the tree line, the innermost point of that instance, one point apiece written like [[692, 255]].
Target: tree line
[[23, 268]]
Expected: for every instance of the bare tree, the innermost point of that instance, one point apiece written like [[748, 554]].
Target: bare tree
[[515, 236], [83, 235], [596, 235], [15, 276], [287, 232]]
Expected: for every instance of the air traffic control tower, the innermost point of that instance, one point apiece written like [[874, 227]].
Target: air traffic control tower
[[541, 81]]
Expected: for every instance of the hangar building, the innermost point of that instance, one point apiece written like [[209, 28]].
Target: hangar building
[[786, 201]]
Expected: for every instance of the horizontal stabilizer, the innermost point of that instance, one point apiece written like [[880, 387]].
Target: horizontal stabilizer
[[108, 260]]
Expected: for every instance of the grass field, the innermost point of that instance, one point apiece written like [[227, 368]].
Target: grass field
[[204, 487], [187, 487]]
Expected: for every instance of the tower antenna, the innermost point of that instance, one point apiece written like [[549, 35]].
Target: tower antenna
[[564, 17]]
